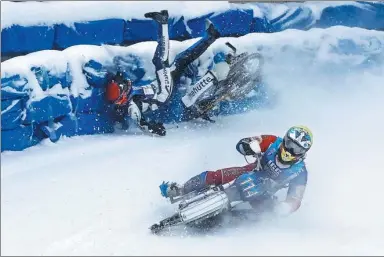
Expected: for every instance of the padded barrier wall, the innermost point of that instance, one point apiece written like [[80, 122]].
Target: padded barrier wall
[[25, 121], [234, 22]]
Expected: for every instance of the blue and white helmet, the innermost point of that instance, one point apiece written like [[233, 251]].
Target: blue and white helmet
[[296, 143]]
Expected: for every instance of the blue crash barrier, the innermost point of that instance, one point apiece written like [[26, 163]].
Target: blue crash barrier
[[229, 23], [178, 30], [12, 104], [24, 121], [301, 18], [11, 113], [140, 30], [98, 75], [93, 103], [11, 119], [18, 138], [130, 65], [21, 40], [234, 22], [47, 80], [48, 108], [370, 17], [260, 25], [76, 125], [137, 30], [13, 87], [95, 74], [90, 33]]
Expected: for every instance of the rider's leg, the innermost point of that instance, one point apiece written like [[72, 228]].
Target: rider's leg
[[193, 93], [205, 179], [186, 57], [161, 57]]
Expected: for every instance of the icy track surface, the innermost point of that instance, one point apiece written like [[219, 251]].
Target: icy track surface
[[106, 195]]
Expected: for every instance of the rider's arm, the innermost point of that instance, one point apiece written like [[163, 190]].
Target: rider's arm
[[243, 146], [295, 194], [226, 175], [135, 111]]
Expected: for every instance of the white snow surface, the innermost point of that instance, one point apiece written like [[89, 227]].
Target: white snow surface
[[97, 195]]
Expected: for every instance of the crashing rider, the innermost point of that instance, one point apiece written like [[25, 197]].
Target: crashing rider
[[279, 163], [133, 102]]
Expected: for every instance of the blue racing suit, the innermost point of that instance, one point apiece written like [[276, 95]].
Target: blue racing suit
[[266, 176]]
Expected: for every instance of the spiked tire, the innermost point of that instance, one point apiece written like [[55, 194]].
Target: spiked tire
[[243, 77]]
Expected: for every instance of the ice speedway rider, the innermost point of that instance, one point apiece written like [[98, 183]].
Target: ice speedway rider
[[279, 163], [133, 102]]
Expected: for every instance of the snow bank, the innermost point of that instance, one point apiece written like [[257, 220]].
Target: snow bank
[[61, 93], [58, 25]]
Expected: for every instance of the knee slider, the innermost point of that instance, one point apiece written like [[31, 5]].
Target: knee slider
[[196, 183]]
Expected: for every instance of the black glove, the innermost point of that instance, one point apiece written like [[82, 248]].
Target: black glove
[[244, 148], [156, 128]]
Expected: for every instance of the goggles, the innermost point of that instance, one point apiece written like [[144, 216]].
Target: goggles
[[293, 147]]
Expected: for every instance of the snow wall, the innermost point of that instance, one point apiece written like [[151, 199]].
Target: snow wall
[[58, 88]]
